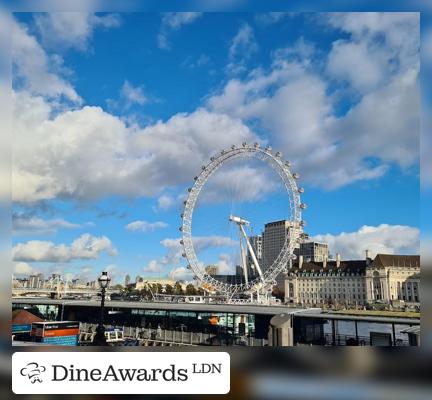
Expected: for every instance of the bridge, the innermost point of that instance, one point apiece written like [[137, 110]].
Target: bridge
[[60, 292], [226, 320]]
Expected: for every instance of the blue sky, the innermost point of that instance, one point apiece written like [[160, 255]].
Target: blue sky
[[115, 114]]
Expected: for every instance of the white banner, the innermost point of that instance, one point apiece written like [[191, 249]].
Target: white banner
[[120, 372]]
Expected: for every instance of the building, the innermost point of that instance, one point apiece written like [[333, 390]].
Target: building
[[388, 279], [273, 239], [211, 269], [144, 283], [326, 283], [35, 281], [312, 251], [391, 278], [127, 280]]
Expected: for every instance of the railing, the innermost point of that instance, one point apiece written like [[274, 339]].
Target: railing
[[351, 340], [147, 336]]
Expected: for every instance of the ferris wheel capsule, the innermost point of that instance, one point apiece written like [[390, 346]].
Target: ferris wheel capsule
[[203, 167], [184, 255], [288, 164], [268, 148], [181, 241], [300, 190], [244, 144], [303, 206], [212, 158], [222, 152], [195, 178], [256, 145], [233, 147], [181, 229], [181, 215], [278, 154], [296, 175], [302, 223]]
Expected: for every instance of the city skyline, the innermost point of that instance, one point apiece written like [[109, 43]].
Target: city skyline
[[132, 105]]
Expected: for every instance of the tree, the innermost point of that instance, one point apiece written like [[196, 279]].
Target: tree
[[178, 288], [169, 289], [117, 287], [190, 290]]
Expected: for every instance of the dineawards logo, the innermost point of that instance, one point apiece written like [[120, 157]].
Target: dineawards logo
[[111, 373], [33, 371], [121, 372]]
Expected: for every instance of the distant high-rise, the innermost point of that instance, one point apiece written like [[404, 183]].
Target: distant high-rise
[[127, 280], [274, 237], [35, 281], [313, 251]]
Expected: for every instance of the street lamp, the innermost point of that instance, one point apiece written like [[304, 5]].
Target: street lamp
[[99, 339]]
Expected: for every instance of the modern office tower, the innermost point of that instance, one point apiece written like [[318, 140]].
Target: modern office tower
[[273, 240], [313, 251], [127, 280]]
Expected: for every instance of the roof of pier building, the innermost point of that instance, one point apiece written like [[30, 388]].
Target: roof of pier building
[[347, 267], [393, 260]]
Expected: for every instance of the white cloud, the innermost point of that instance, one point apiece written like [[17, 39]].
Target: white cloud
[[34, 68], [22, 268], [293, 103], [174, 249], [181, 274], [145, 226], [243, 43], [381, 46], [133, 95], [165, 202], [84, 247], [225, 265], [63, 30], [241, 183], [22, 224], [152, 267], [173, 21], [364, 68], [242, 46], [88, 153], [387, 239]]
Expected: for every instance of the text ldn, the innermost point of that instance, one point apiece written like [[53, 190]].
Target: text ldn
[[62, 373], [204, 368]]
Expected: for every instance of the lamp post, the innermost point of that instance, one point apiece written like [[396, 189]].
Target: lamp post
[[99, 339]]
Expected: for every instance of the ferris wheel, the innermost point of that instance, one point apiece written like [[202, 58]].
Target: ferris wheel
[[265, 275]]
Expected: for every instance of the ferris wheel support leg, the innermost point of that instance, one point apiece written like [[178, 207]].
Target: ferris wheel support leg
[[251, 250], [243, 257]]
